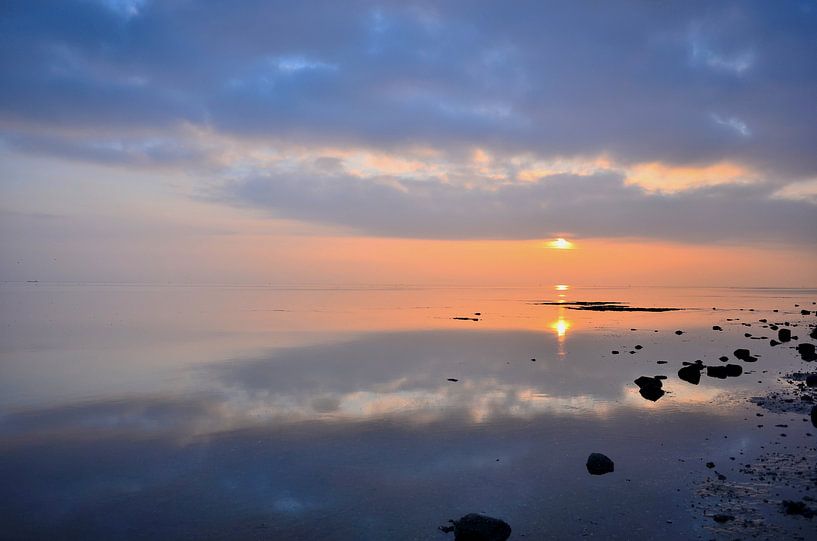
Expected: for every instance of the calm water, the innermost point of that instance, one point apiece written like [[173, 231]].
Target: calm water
[[165, 412]]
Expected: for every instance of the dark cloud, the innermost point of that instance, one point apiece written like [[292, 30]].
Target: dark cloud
[[585, 206], [641, 81]]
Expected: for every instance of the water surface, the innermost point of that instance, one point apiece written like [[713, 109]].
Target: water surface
[[173, 412]]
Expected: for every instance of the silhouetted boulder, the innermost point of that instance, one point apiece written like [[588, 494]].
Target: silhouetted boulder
[[744, 355], [733, 370], [691, 374], [814, 416], [650, 388], [806, 351], [474, 527], [717, 328], [599, 464], [719, 372], [784, 335], [811, 380]]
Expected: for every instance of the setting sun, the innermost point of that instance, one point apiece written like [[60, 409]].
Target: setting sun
[[561, 244]]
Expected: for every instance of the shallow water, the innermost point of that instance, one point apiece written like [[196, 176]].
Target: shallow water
[[170, 412]]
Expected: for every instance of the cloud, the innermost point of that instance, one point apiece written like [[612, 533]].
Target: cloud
[[554, 79], [601, 204], [678, 84]]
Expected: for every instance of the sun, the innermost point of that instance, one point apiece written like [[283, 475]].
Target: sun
[[561, 244]]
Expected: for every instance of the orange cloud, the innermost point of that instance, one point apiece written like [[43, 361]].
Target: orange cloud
[[656, 176]]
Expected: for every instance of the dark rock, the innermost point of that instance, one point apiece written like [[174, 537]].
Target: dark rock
[[813, 333], [804, 312], [474, 527], [814, 415], [719, 372], [784, 335], [599, 464], [744, 355], [453, 379], [717, 328], [650, 388], [798, 508], [723, 359], [806, 351], [811, 380], [721, 518], [733, 370], [679, 333], [710, 465], [773, 342], [638, 346], [691, 374]]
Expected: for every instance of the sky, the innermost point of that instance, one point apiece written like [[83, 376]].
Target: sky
[[249, 141]]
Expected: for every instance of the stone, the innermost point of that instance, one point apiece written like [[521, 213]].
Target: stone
[[599, 464], [476, 527]]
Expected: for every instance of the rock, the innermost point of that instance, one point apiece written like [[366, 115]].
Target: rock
[[733, 370], [811, 380], [650, 388], [804, 312], [691, 374], [814, 416], [773, 342], [679, 333], [475, 527], [453, 379], [614, 352], [813, 333], [723, 359], [721, 518], [717, 328], [638, 346], [719, 372], [784, 335], [806, 351], [710, 465], [744, 355], [599, 464], [798, 508]]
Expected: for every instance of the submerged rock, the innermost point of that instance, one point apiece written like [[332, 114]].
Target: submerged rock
[[798, 508], [650, 388], [599, 464], [475, 527]]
